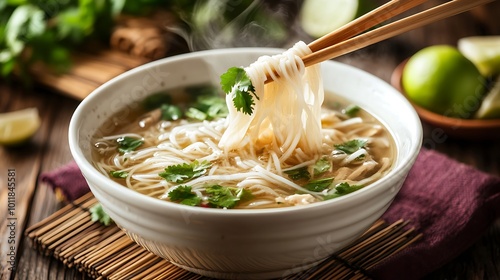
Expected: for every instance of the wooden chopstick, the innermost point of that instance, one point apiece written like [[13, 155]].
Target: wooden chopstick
[[340, 41], [363, 23], [440, 12]]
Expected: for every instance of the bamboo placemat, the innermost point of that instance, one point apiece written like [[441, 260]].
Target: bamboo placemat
[[105, 252]]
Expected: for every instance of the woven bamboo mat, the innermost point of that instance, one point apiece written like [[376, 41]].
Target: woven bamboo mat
[[105, 252]]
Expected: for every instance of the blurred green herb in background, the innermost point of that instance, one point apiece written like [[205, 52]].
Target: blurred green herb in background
[[48, 30]]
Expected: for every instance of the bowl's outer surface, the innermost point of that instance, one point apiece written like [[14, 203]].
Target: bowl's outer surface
[[244, 244]]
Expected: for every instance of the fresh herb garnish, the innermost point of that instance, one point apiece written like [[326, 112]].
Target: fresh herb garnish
[[208, 107], [236, 78], [214, 106], [181, 173], [351, 110], [119, 174], [321, 166], [184, 195], [225, 197], [319, 185], [47, 31], [299, 173], [97, 214], [170, 112], [351, 146], [218, 196], [196, 114], [343, 189], [156, 100], [127, 144]]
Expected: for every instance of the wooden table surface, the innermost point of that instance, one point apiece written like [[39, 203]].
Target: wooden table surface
[[49, 150]]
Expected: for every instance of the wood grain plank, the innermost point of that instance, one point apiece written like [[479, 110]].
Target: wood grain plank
[[44, 203], [25, 160]]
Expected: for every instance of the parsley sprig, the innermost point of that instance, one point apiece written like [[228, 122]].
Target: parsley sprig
[[319, 185], [184, 195], [299, 173], [217, 196], [97, 214], [225, 197], [319, 182], [342, 189], [236, 78], [208, 107], [184, 172], [351, 146], [128, 144]]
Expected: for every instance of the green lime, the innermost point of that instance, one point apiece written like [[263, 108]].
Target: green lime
[[16, 127], [441, 79], [320, 17], [484, 52], [490, 107]]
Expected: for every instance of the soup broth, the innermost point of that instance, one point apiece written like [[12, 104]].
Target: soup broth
[[167, 148]]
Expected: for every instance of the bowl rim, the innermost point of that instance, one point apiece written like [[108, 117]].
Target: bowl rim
[[143, 201]]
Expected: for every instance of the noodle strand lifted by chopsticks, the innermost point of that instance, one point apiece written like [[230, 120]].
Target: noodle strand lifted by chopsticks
[[287, 115]]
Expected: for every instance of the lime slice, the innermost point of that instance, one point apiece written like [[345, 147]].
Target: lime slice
[[490, 107], [483, 51], [320, 17], [18, 126]]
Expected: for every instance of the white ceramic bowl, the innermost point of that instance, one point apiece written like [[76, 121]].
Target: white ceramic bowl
[[243, 244]]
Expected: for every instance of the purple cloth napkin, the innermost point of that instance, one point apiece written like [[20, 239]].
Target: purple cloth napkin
[[452, 204], [67, 182]]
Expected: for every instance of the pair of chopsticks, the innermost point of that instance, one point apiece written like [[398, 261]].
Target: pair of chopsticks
[[341, 41]]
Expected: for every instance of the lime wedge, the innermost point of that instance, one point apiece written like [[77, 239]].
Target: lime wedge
[[320, 17], [490, 107], [16, 127], [483, 51]]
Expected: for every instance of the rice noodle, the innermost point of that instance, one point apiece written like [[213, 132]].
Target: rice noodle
[[294, 98]]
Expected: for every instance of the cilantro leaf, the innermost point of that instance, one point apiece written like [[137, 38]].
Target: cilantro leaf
[[319, 185], [196, 114], [208, 107], [343, 189], [351, 110], [156, 100], [181, 173], [351, 146], [184, 195], [170, 112], [299, 173], [225, 197], [217, 110], [212, 105], [128, 144], [321, 166], [119, 174], [244, 91], [97, 214], [203, 90]]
